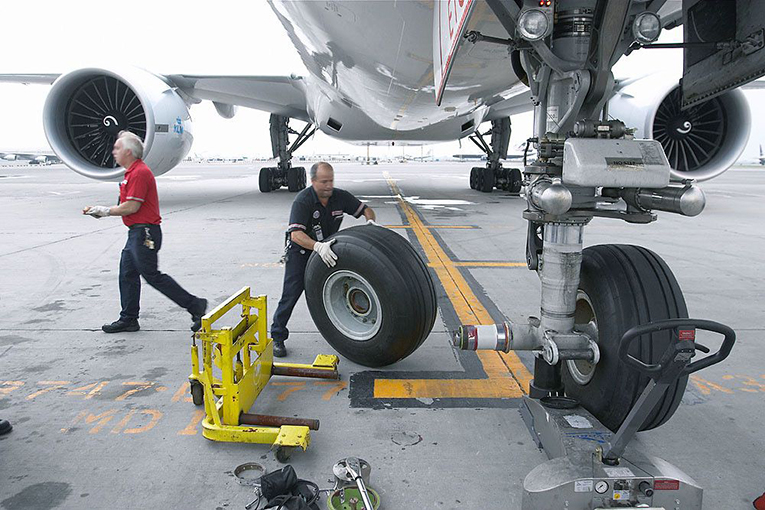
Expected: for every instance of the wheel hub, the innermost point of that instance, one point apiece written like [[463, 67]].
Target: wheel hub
[[585, 321], [352, 305]]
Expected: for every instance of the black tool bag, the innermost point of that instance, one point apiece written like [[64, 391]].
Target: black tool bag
[[284, 491]]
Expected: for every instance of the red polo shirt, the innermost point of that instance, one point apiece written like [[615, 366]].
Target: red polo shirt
[[139, 185]]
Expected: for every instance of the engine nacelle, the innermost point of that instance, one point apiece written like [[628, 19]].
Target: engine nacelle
[[701, 142], [87, 108]]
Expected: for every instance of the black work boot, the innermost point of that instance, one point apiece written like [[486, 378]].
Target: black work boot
[[196, 314], [5, 427], [121, 325], [280, 350]]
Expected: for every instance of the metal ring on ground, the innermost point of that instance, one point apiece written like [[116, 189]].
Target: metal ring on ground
[[352, 305], [249, 474]]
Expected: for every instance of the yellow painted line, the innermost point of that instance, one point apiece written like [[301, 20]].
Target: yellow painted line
[[432, 226], [507, 376], [490, 264]]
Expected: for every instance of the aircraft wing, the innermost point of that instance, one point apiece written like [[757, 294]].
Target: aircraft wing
[[283, 95], [26, 79]]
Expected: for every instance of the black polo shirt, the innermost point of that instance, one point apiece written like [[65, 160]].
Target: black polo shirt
[[319, 222]]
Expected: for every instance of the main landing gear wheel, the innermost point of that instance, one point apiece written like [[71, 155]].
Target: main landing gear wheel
[[378, 304], [264, 180], [486, 180], [623, 286], [474, 177], [296, 178], [512, 180]]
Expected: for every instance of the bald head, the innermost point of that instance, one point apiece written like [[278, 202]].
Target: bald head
[[323, 180]]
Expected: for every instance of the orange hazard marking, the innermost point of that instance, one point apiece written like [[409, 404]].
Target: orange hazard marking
[[191, 428], [507, 377]]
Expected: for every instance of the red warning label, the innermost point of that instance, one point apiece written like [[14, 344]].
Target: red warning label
[[666, 485], [687, 334]]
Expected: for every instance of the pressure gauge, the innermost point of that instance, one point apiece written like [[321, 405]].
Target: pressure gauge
[[601, 487]]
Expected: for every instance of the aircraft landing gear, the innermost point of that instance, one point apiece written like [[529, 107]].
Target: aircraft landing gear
[[493, 175], [284, 174]]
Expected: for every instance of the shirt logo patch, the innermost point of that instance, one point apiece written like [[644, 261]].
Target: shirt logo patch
[[316, 214], [123, 182]]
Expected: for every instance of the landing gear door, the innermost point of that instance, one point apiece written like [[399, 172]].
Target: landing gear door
[[711, 69], [449, 21]]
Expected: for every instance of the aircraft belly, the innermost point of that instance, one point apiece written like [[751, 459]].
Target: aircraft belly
[[377, 56]]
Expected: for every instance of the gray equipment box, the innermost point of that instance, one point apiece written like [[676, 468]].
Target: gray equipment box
[[593, 162]]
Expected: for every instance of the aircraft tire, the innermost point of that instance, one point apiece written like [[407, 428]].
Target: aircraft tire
[[515, 180], [293, 179], [264, 180], [377, 305], [474, 177], [623, 286], [301, 181], [486, 180]]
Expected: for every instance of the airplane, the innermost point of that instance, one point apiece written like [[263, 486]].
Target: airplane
[[33, 157], [762, 157], [368, 93], [410, 72]]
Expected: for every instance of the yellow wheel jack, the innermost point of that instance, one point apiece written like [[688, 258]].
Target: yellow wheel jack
[[236, 365]]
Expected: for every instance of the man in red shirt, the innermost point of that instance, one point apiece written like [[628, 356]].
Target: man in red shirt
[[139, 208]]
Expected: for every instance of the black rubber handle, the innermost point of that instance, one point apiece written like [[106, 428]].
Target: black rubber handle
[[653, 327]]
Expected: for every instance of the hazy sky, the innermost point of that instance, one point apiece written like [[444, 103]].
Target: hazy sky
[[238, 37]]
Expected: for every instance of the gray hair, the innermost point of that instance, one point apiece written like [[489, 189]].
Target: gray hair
[[132, 142], [315, 168]]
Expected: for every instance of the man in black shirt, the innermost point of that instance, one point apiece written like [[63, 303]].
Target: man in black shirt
[[317, 213]]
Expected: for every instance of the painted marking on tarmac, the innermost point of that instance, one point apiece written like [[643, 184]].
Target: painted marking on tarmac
[[434, 226], [507, 377], [487, 264]]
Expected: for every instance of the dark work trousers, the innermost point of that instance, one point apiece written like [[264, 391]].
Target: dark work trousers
[[294, 272], [139, 260]]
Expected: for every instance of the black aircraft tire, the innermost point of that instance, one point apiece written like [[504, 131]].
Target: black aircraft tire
[[386, 281], [622, 286], [486, 184], [264, 180], [515, 180], [293, 179], [417, 271], [300, 177], [474, 178]]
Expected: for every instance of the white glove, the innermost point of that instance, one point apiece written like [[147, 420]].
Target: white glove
[[373, 222], [97, 211], [326, 253]]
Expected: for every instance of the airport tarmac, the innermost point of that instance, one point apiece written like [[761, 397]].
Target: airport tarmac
[[106, 421]]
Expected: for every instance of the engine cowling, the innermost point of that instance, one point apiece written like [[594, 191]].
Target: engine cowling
[[701, 142], [87, 108]]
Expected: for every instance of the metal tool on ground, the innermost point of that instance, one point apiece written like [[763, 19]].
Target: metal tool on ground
[[352, 491], [236, 365], [590, 467]]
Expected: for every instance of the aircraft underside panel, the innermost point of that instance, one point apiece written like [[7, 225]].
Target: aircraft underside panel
[[710, 71]]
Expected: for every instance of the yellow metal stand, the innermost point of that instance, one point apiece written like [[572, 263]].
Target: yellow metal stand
[[244, 356]]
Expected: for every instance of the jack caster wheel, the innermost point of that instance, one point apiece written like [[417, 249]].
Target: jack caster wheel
[[284, 453], [197, 393]]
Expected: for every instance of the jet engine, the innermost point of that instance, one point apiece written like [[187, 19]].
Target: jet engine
[[701, 142], [87, 108]]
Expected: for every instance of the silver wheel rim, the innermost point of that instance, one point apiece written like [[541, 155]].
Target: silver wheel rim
[[352, 305], [585, 321]]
